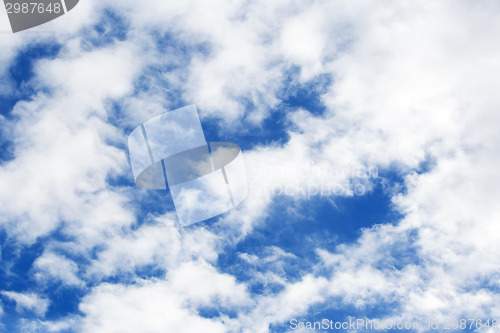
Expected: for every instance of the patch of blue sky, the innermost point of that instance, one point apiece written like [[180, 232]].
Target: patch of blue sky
[[110, 28], [64, 301], [307, 95], [300, 227], [274, 129], [6, 148], [18, 275], [20, 72], [489, 282], [17, 260], [209, 312], [217, 311], [147, 272]]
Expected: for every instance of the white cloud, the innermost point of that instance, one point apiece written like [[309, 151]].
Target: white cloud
[[96, 75], [160, 245], [62, 155], [28, 302], [169, 305], [68, 324], [50, 266]]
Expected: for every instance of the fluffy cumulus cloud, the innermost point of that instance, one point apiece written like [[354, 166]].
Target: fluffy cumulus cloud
[[339, 106]]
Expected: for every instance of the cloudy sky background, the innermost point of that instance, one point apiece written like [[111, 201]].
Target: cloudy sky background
[[313, 92]]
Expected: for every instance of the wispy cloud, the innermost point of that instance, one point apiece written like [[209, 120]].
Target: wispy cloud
[[28, 302]]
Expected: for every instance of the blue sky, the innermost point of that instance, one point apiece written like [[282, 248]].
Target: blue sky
[[385, 98]]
